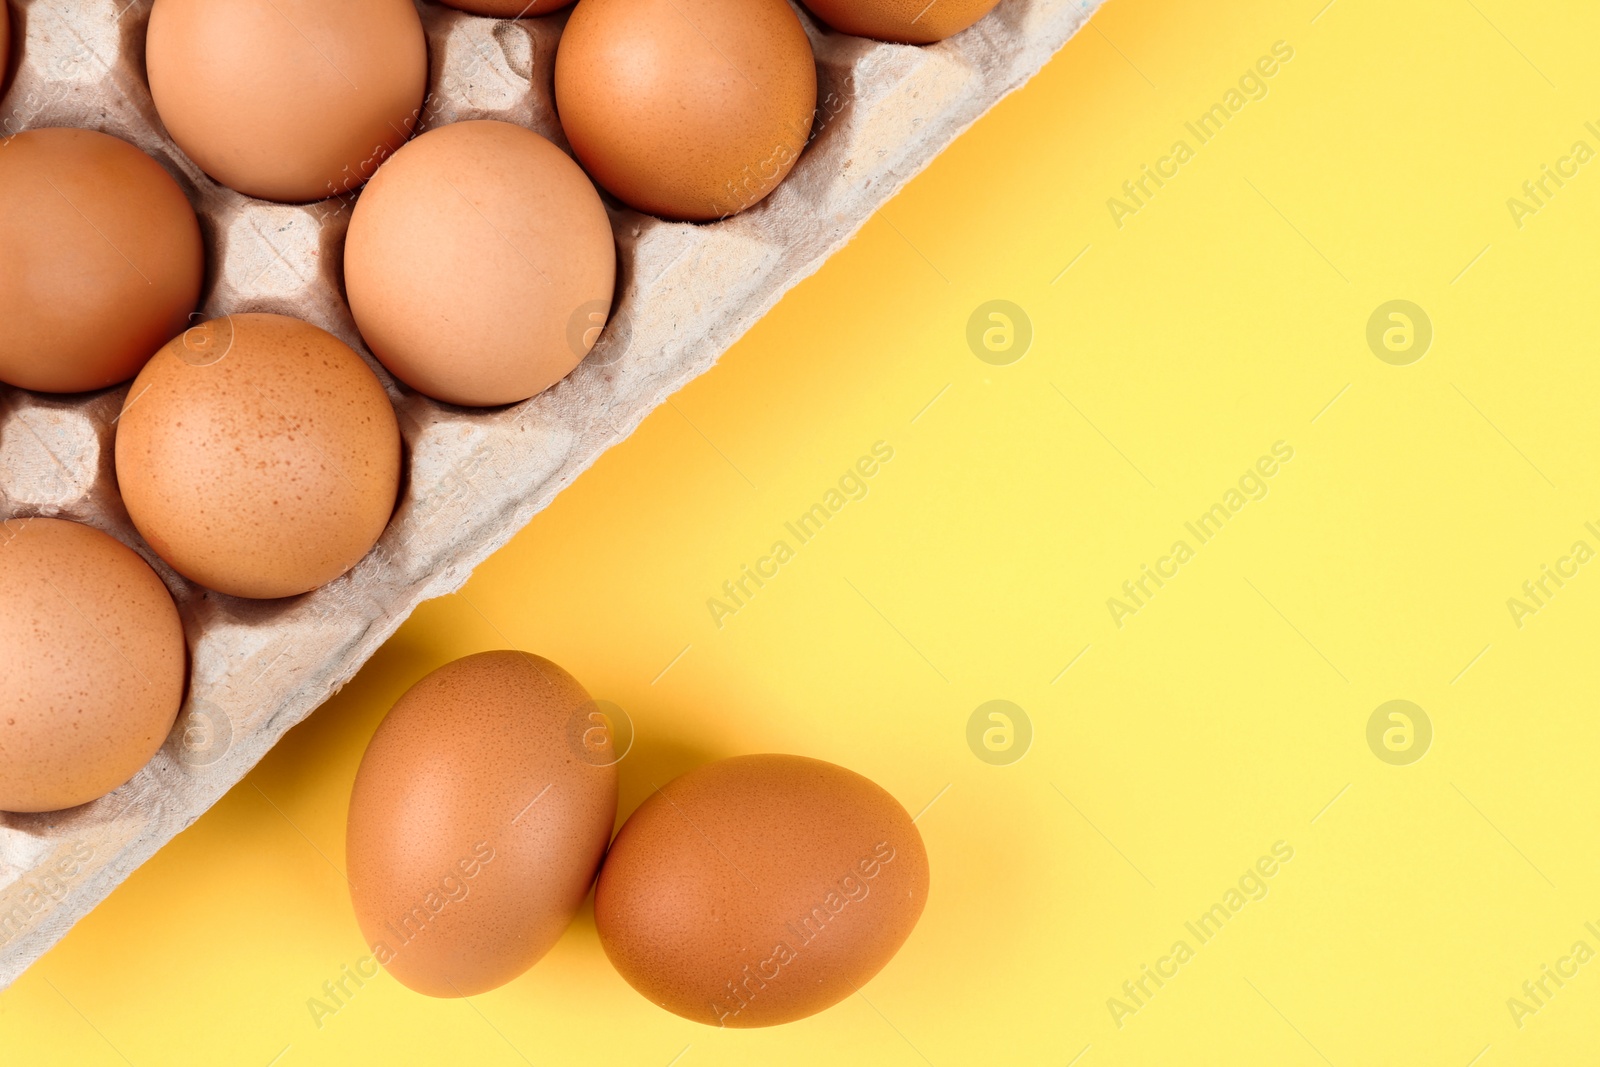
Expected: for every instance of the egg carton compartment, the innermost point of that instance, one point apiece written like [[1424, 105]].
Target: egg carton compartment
[[474, 477]]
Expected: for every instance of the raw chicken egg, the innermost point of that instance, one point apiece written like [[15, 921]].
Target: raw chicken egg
[[900, 21], [760, 889], [508, 9], [478, 819], [687, 109], [258, 455], [289, 100], [92, 664], [480, 264], [100, 259]]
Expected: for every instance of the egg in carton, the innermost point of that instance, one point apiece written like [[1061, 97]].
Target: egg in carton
[[473, 477]]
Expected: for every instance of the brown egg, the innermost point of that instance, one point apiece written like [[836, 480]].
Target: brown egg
[[100, 259], [687, 109], [91, 664], [289, 100], [258, 455], [480, 264], [477, 821], [900, 21], [508, 9], [5, 40], [760, 889]]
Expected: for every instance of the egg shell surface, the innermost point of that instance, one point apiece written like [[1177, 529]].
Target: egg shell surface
[[900, 21], [508, 9], [287, 100], [478, 819], [92, 664], [258, 455], [100, 259], [480, 263], [687, 109], [760, 889]]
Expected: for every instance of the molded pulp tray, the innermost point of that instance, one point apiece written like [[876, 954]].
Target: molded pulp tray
[[475, 477]]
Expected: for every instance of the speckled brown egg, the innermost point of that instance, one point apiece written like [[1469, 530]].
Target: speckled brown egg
[[900, 21], [480, 263], [760, 890], [258, 455], [100, 259], [288, 100], [479, 816], [687, 109], [92, 664]]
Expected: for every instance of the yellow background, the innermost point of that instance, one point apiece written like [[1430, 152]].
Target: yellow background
[[1228, 714]]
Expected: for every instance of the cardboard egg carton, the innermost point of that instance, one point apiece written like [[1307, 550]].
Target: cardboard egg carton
[[473, 477]]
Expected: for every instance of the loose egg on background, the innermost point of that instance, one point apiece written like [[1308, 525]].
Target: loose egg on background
[[92, 664], [760, 889], [900, 21], [478, 818], [479, 263], [288, 100], [258, 455], [687, 109], [100, 259]]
